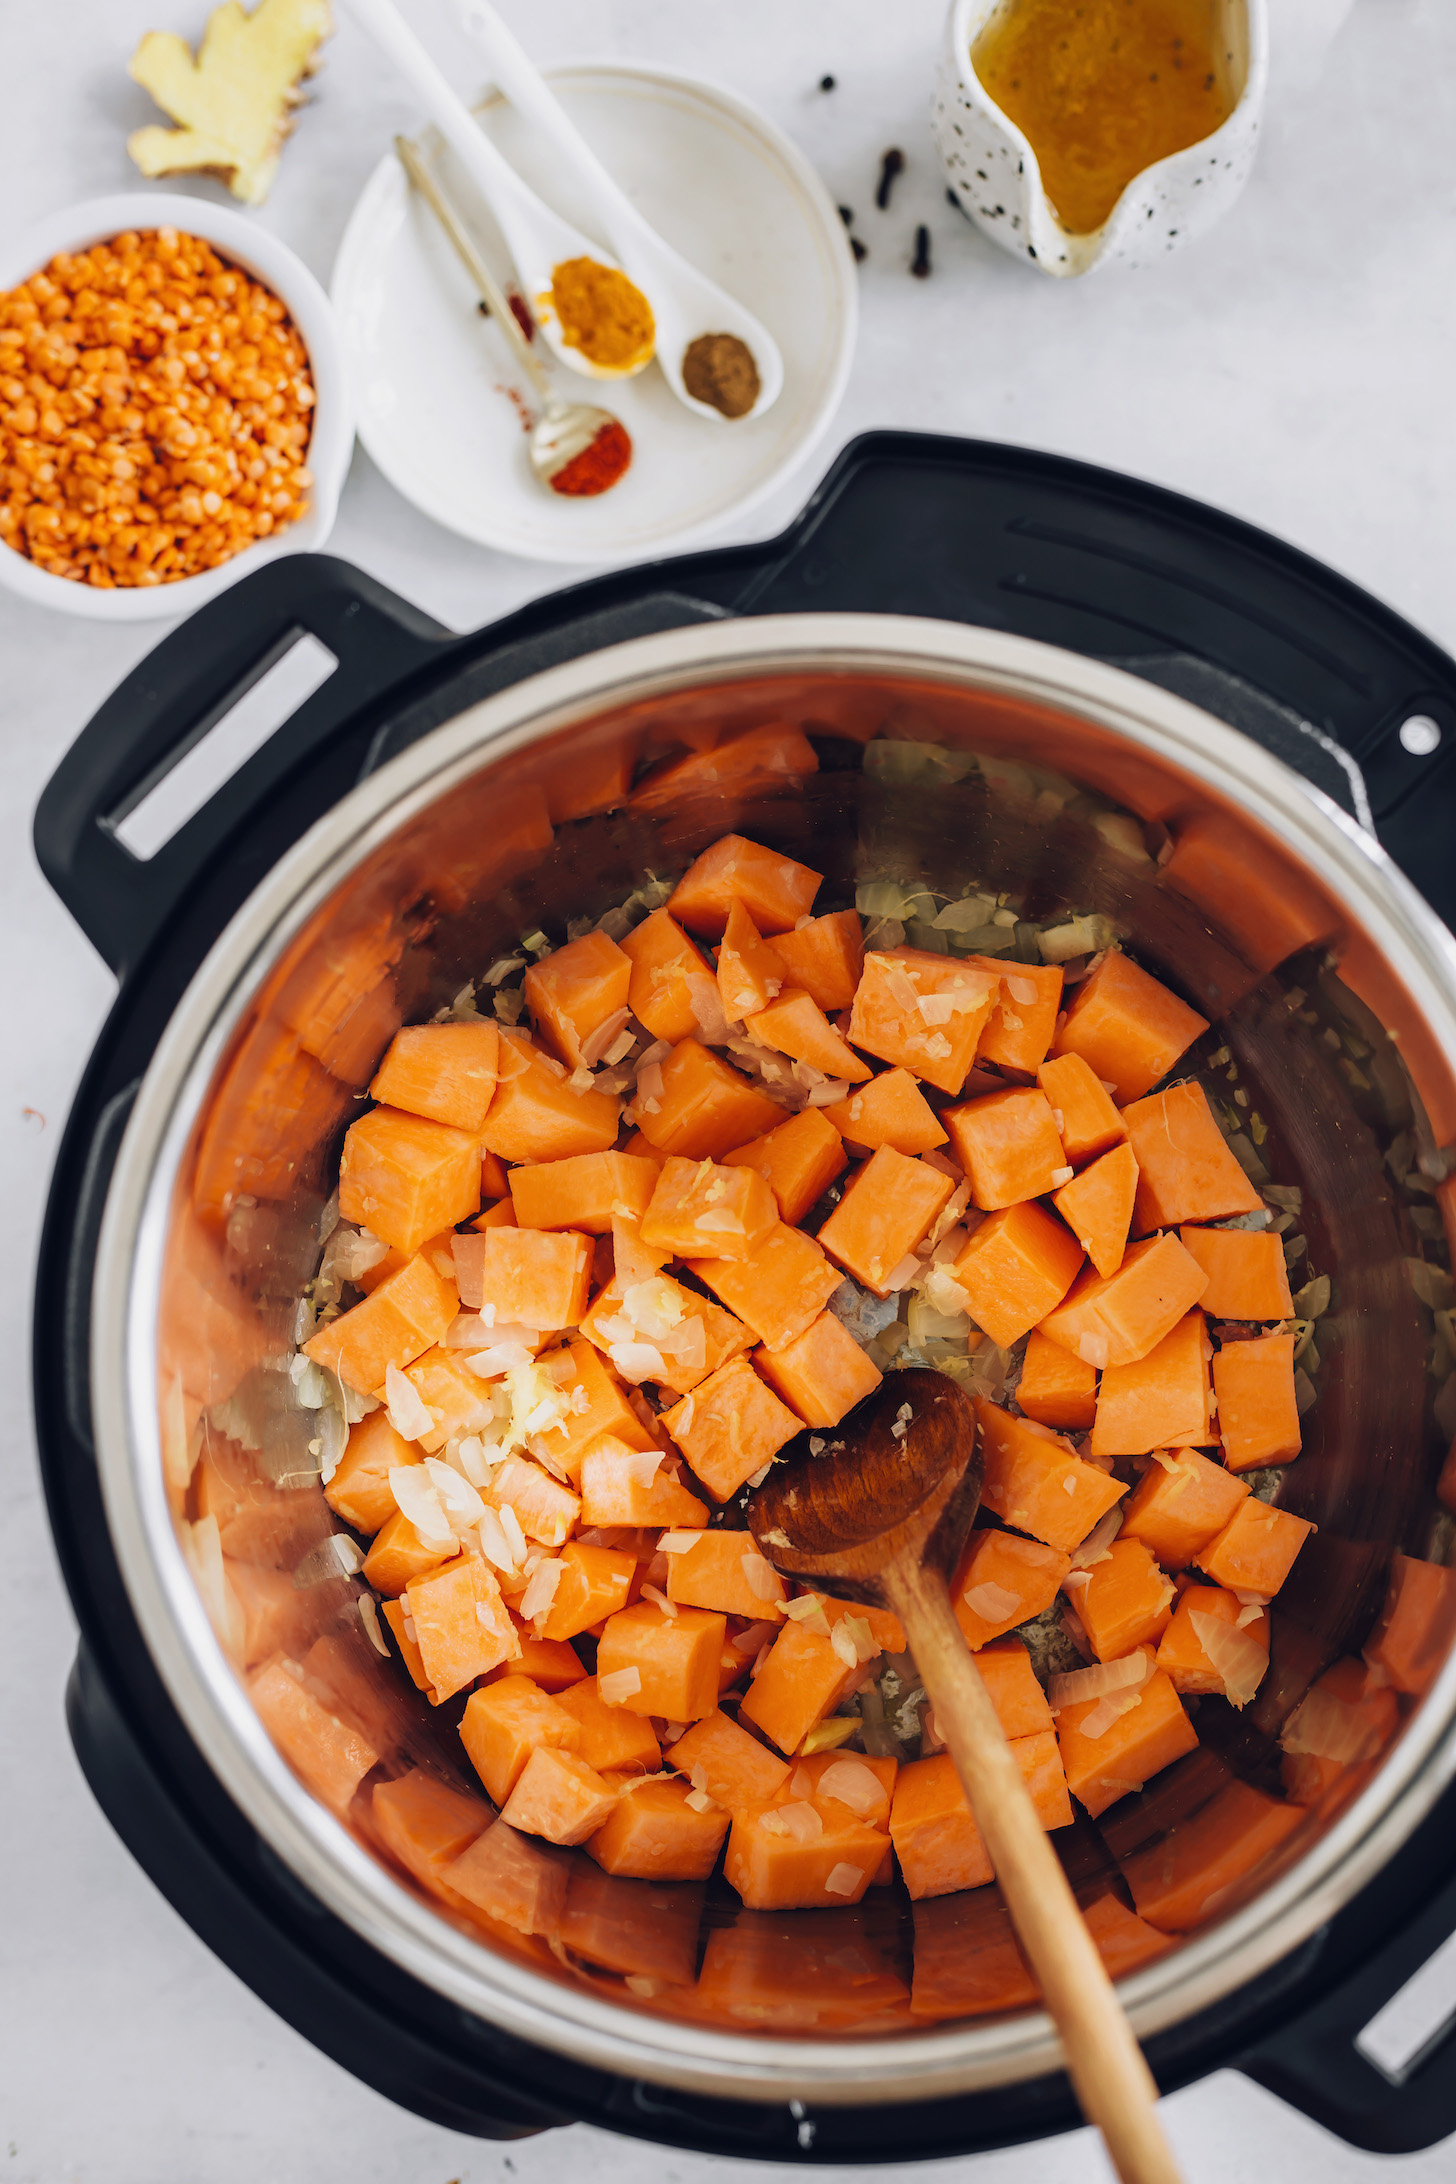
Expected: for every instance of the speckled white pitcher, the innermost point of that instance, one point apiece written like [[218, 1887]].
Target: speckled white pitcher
[[994, 172]]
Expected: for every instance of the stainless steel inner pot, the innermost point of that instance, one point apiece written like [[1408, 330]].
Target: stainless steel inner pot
[[1236, 880]]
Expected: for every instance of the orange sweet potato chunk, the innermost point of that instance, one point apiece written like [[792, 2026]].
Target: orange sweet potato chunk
[[654, 1834], [890, 1110], [824, 957], [1020, 1703], [549, 1663], [665, 964], [666, 1356], [889, 1207], [705, 1109], [1258, 1416], [537, 1278], [780, 1291], [575, 991], [733, 1767], [1175, 1881], [398, 1555], [1015, 1269], [675, 1659], [923, 1012], [612, 1738], [560, 1797], [1022, 1023], [330, 1758], [794, 1024], [1124, 1601], [1185, 1170], [1160, 1402], [774, 1868], [613, 1492], [537, 1115], [802, 1680], [798, 1160], [1002, 1580], [1181, 1652], [445, 1072], [1413, 1636], [1007, 1144], [596, 1405], [504, 1723], [1176, 1511], [545, 1509], [1115, 1319], [1097, 1207], [397, 1323], [406, 1179], [1039, 1483], [699, 1209], [774, 890], [594, 1583], [1055, 1388], [937, 1842], [723, 1571], [1127, 1027], [1256, 1549], [587, 1192], [749, 972], [1130, 1752], [359, 1489], [426, 1825], [821, 1374], [1087, 1122], [730, 1426], [1247, 1275], [457, 1400], [461, 1624]]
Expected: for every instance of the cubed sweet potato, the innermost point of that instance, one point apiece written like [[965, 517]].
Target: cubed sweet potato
[[559, 1797], [1123, 1601], [537, 1114], [937, 1842], [1015, 1268], [673, 1657], [1256, 1549], [733, 1767], [655, 1834], [705, 1108], [725, 1572], [1023, 1021], [794, 1024], [1097, 1206], [1115, 1319], [889, 1207], [701, 1210], [1055, 1388], [1185, 1170], [359, 1489], [729, 1427], [574, 992], [749, 973], [1160, 1402], [774, 890], [446, 1072], [665, 964], [1247, 1275], [587, 1192], [1130, 1751], [1127, 1027], [890, 1110], [1180, 1505], [824, 957], [1258, 1415], [406, 1179], [1002, 1580], [798, 1160], [537, 1278], [1087, 1122], [923, 1012], [1038, 1482], [780, 1291], [1007, 1144], [504, 1723], [821, 1374]]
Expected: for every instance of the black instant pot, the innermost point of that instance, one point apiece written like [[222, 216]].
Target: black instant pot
[[1293, 656]]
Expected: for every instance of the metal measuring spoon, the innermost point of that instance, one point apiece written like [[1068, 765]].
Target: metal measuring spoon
[[563, 430]]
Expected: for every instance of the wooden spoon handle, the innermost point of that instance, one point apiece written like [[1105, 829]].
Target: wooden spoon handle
[[1112, 2080]]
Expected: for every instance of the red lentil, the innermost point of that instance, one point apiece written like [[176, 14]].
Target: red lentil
[[156, 406]]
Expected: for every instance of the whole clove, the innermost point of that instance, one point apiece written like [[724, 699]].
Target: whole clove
[[860, 252], [892, 164], [846, 214], [826, 83], [920, 263]]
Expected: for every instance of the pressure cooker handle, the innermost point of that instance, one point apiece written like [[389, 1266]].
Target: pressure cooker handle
[[1365, 2060], [175, 697]]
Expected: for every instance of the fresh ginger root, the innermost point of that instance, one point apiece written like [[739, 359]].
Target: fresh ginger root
[[235, 101]]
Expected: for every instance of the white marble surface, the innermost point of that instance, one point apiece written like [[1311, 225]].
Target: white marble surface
[[1294, 368]]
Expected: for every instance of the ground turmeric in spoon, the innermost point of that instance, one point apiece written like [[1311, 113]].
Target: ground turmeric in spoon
[[1102, 89], [602, 314]]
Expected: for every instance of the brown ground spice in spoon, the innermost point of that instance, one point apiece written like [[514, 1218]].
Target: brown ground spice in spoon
[[719, 369]]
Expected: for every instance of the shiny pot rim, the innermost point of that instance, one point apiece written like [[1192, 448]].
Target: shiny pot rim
[[319, 1850]]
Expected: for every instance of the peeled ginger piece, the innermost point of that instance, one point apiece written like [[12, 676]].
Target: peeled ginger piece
[[235, 101]]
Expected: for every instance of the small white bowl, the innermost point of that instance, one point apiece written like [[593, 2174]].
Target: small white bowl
[[238, 238], [994, 172]]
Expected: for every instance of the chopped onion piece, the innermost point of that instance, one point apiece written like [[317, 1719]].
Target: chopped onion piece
[[510, 1525], [407, 1412], [660, 1601], [700, 1801], [1330, 1728], [1101, 1680], [541, 1591], [502, 1357], [493, 1543], [992, 1603], [1108, 1711], [1239, 1659], [761, 1578], [843, 1879], [643, 1464], [853, 1783], [594, 1046], [638, 1361], [678, 1543], [369, 1617], [415, 1496], [619, 1685], [1096, 1547], [799, 1820], [457, 1497]]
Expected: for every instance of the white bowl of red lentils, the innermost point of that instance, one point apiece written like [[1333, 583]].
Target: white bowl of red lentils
[[173, 406]]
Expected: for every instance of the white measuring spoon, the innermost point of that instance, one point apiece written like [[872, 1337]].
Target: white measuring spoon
[[537, 238], [685, 303]]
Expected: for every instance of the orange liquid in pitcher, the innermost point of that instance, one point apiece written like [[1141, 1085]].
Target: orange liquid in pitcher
[[1102, 88]]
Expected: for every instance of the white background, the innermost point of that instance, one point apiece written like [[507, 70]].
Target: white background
[[1296, 368]]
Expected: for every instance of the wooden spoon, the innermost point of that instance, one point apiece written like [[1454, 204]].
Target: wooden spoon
[[881, 1515]]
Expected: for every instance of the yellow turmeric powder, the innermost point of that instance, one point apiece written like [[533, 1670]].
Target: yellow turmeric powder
[[603, 314]]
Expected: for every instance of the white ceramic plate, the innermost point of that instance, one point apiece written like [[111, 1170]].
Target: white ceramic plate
[[433, 380], [238, 237]]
